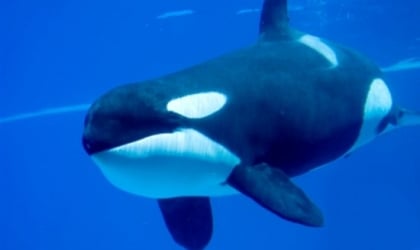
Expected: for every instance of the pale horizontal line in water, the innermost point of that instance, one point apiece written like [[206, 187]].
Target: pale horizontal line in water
[[406, 64], [175, 14], [247, 11], [45, 112]]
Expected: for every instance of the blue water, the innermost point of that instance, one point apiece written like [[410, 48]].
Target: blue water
[[58, 55]]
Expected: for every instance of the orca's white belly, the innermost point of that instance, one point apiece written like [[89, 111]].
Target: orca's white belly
[[183, 163]]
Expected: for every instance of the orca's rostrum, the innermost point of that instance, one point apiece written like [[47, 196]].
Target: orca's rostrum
[[245, 122]]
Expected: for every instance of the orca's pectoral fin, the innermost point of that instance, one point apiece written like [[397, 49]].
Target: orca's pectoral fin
[[272, 189], [189, 220]]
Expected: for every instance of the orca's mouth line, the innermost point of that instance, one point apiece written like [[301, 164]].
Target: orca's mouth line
[[402, 65]]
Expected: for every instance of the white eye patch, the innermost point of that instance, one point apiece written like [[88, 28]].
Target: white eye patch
[[197, 105], [322, 48]]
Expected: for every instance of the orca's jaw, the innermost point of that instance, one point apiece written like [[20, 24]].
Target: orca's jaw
[[182, 163]]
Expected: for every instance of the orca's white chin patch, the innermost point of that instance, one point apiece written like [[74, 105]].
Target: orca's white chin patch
[[182, 163]]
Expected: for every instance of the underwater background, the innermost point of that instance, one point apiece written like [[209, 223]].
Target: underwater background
[[58, 56]]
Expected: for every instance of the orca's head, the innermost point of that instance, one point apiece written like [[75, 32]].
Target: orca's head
[[144, 144], [122, 116]]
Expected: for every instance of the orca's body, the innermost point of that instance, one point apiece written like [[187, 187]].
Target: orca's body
[[244, 122]]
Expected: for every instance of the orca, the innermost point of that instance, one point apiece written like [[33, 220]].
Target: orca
[[245, 122]]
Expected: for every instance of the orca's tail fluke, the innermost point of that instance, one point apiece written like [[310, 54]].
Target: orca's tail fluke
[[401, 117], [408, 118]]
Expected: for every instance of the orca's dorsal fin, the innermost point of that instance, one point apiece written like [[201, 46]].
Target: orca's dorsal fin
[[274, 20]]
